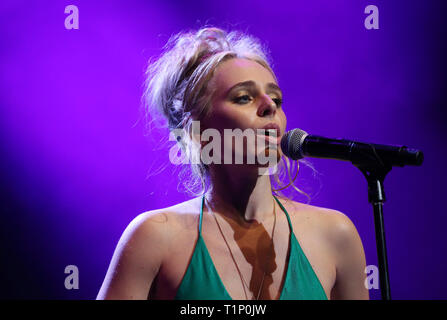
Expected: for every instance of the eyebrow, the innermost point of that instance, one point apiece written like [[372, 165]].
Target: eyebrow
[[251, 84]]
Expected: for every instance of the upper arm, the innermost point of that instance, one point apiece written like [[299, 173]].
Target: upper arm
[[349, 259], [136, 259]]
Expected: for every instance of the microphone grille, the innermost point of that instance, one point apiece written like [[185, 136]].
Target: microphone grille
[[292, 142]]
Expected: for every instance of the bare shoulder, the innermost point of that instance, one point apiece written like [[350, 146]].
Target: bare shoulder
[[333, 234], [166, 221], [333, 224], [141, 251], [146, 240]]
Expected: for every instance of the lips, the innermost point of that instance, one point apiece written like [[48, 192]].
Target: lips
[[272, 133]]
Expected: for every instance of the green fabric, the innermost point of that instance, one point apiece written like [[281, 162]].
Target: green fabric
[[202, 282]]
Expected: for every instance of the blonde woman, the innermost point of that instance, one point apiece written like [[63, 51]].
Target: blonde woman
[[238, 239]]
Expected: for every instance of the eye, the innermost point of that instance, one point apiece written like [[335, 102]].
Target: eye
[[278, 102], [242, 99]]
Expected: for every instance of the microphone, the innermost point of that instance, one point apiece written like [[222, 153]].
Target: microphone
[[297, 144]]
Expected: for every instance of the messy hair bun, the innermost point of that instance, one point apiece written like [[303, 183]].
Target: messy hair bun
[[177, 81]]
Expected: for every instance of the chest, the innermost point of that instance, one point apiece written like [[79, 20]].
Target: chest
[[248, 264]]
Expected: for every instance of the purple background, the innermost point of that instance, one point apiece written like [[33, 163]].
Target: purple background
[[74, 158]]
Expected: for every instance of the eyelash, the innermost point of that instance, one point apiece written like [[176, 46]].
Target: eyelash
[[278, 101]]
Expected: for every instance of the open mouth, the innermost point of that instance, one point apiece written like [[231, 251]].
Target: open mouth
[[271, 132], [270, 135]]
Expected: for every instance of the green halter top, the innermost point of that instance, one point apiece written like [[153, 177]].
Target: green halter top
[[202, 282]]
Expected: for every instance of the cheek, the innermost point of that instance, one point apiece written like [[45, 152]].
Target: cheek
[[224, 116], [283, 120]]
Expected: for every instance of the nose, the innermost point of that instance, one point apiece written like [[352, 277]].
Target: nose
[[267, 107]]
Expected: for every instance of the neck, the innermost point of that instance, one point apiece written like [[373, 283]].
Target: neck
[[239, 192]]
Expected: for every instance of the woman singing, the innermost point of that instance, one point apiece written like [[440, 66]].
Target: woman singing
[[239, 238]]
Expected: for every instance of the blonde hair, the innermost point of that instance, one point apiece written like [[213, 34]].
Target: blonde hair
[[176, 88]]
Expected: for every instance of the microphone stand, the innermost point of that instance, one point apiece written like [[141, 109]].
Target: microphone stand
[[374, 161], [375, 172]]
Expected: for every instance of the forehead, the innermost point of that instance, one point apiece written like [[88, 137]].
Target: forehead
[[238, 70]]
